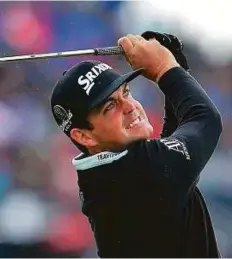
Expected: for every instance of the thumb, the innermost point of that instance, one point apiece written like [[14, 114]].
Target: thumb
[[126, 44]]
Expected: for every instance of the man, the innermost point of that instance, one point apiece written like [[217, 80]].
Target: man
[[138, 193]]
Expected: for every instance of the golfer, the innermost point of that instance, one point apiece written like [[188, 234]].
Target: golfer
[[140, 194]]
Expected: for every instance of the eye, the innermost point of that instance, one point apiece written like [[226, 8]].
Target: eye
[[126, 92], [110, 106]]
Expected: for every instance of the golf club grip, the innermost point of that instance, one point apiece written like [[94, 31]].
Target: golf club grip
[[117, 50]]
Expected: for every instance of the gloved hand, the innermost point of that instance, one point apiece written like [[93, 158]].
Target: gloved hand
[[172, 43]]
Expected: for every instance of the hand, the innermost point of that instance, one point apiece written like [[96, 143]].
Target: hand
[[150, 55], [172, 43]]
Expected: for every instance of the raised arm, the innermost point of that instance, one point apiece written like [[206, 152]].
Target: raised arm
[[175, 45], [179, 158]]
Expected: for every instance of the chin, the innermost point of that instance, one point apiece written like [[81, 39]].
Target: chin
[[147, 135], [142, 133]]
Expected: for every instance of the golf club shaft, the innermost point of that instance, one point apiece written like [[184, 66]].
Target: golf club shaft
[[117, 50]]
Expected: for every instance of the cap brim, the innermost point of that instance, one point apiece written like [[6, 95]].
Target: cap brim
[[114, 86]]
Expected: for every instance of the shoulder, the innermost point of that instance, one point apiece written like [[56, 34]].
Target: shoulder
[[158, 147], [138, 152]]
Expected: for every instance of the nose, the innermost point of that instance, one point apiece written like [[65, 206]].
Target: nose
[[128, 106]]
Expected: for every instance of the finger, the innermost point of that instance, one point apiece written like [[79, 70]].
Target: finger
[[126, 44], [134, 40], [140, 38]]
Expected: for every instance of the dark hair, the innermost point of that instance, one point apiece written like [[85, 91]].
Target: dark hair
[[82, 123]]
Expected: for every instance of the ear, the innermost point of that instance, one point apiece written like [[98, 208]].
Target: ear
[[83, 137]]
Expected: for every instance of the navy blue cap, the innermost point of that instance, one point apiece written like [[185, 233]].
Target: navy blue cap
[[83, 87]]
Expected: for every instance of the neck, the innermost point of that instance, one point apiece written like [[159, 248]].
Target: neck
[[97, 149], [93, 151]]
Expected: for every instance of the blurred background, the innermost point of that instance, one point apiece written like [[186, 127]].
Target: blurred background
[[40, 211]]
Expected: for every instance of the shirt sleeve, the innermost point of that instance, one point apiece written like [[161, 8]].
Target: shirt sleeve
[[170, 120], [179, 158]]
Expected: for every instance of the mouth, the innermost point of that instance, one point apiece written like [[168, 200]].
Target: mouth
[[134, 123]]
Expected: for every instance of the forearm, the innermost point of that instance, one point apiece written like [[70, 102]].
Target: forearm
[[170, 120], [199, 122], [185, 95]]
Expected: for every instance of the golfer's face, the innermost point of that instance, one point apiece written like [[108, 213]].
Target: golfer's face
[[120, 121]]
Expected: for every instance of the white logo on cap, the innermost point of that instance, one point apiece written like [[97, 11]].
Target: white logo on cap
[[88, 79], [63, 116]]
